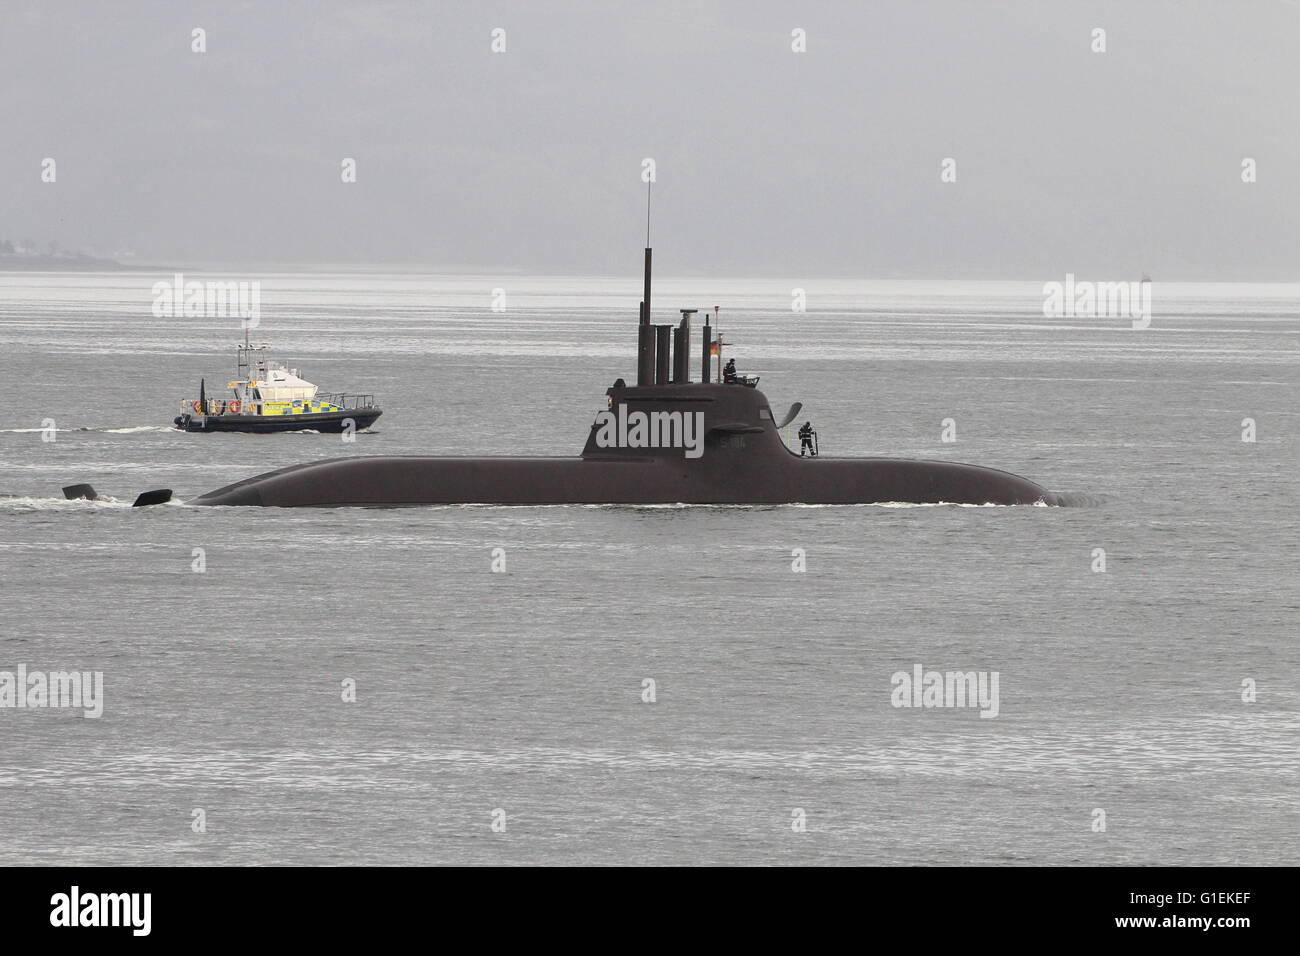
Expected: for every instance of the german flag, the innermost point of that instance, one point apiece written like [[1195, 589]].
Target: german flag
[[715, 348]]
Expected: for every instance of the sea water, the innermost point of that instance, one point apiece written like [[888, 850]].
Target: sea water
[[656, 684]]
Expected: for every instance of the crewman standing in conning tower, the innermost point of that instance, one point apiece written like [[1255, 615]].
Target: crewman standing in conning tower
[[806, 434], [729, 373]]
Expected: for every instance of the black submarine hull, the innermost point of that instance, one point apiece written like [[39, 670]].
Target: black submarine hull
[[738, 458], [398, 481]]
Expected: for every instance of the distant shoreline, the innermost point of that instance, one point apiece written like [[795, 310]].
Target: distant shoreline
[[91, 264], [10, 263]]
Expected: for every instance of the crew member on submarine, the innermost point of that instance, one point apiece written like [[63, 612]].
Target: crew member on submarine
[[806, 440]]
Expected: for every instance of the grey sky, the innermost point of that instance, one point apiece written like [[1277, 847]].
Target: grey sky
[[769, 161]]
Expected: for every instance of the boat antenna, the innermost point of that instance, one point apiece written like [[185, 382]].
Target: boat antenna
[[648, 184]]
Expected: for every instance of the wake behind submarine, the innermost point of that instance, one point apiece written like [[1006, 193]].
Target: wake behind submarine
[[665, 440]]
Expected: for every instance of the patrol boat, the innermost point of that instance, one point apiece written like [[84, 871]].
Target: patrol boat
[[270, 397], [666, 439]]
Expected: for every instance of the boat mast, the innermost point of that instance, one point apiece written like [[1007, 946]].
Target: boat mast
[[244, 369], [241, 361]]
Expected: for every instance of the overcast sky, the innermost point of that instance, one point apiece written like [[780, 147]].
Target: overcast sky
[[825, 162]]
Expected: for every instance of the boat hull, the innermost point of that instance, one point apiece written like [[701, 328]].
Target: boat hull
[[331, 422]]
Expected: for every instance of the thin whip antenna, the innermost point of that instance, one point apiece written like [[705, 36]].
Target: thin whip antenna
[[648, 183]]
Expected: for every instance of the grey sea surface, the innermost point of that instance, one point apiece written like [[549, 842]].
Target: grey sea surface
[[1120, 691]]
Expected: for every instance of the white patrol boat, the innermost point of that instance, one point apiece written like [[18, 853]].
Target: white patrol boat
[[270, 397]]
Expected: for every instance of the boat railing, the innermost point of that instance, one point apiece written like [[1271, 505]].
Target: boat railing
[[347, 399], [213, 406], [218, 406]]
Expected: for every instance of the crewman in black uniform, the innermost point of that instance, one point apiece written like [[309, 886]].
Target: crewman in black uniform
[[806, 434], [729, 373]]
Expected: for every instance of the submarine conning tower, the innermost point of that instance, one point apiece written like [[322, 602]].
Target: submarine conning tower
[[735, 418]]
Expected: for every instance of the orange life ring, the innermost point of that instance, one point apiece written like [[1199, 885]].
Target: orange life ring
[[234, 407], [197, 406]]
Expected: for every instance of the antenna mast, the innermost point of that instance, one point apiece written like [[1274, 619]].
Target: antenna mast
[[645, 315], [645, 363]]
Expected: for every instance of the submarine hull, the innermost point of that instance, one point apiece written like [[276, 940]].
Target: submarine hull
[[732, 453], [398, 481]]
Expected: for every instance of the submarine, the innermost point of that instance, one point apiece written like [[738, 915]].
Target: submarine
[[665, 440]]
